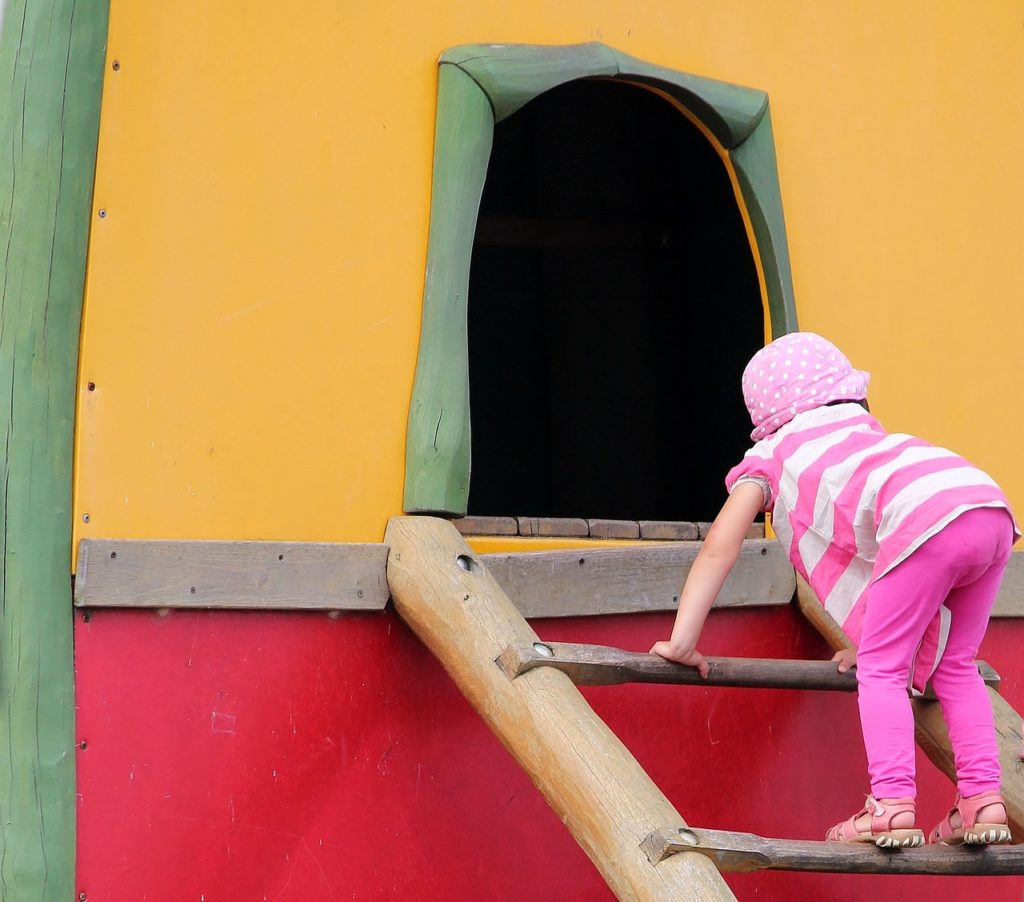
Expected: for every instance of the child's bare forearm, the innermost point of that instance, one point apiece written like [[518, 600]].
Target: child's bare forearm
[[703, 583], [717, 555]]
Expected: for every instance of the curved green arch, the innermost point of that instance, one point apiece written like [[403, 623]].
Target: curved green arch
[[479, 85]]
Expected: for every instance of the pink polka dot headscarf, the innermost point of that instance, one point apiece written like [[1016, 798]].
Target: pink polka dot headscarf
[[797, 372]]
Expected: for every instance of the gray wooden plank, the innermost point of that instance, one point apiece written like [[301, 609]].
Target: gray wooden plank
[[633, 578], [1010, 600], [554, 527], [669, 530], [613, 529], [486, 526], [216, 574]]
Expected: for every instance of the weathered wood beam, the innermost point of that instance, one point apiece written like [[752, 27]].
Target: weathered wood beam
[[165, 573], [745, 852], [633, 578], [609, 804], [601, 665], [930, 728], [144, 573]]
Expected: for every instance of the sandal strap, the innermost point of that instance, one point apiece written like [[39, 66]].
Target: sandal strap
[[882, 815], [971, 805]]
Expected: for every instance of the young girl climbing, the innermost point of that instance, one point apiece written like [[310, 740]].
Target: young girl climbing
[[905, 544]]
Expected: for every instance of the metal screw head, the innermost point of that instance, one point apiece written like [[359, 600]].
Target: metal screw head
[[85, 518], [543, 650], [82, 897], [359, 593], [688, 837], [465, 562], [102, 213], [116, 65]]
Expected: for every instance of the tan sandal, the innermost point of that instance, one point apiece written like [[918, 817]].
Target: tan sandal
[[970, 832], [882, 833]]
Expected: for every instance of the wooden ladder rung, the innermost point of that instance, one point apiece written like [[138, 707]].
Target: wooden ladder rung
[[744, 852], [602, 665]]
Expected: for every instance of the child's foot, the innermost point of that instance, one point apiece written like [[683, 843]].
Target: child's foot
[[888, 823], [977, 820]]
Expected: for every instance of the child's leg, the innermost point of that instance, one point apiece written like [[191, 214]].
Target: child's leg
[[972, 549], [899, 608], [961, 691]]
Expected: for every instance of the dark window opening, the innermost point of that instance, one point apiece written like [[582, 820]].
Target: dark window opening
[[613, 304]]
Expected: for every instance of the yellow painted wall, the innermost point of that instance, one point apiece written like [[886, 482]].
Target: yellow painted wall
[[253, 294]]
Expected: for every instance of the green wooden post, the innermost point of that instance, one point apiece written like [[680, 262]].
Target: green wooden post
[[51, 69]]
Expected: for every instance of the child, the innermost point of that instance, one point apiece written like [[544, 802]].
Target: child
[[905, 544]]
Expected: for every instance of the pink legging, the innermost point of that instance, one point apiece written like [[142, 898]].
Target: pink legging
[[960, 566]]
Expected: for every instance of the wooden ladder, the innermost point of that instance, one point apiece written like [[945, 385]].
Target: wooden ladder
[[525, 690]]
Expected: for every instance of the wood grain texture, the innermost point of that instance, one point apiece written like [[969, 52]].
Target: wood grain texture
[[613, 529], [668, 530], [281, 575], [51, 60], [487, 526], [929, 727], [572, 527], [601, 665], [448, 597], [745, 852], [632, 579]]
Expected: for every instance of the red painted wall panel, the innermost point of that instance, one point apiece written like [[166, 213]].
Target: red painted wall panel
[[248, 756]]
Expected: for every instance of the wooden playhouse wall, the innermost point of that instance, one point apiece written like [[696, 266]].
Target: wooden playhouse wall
[[254, 292], [249, 339]]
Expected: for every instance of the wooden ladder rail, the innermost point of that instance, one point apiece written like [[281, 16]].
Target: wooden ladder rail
[[603, 665], [593, 783], [599, 665], [930, 728], [745, 852]]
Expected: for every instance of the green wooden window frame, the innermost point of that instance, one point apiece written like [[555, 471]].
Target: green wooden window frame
[[479, 85]]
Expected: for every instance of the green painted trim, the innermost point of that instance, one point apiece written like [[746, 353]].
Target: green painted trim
[[478, 85], [511, 75], [729, 111], [51, 67], [757, 173], [437, 443]]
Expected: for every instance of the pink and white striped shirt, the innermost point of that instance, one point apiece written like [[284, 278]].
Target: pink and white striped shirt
[[851, 501]]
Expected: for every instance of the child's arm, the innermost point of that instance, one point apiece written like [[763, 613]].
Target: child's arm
[[711, 567]]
